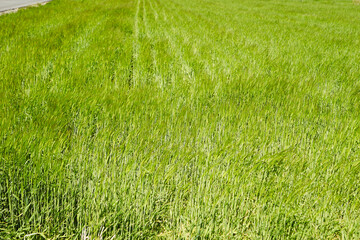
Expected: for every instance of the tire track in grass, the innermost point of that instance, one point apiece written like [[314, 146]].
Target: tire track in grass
[[145, 58], [134, 62], [150, 37], [164, 55], [156, 15], [163, 47]]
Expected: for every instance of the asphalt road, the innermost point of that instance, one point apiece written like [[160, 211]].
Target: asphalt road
[[7, 5]]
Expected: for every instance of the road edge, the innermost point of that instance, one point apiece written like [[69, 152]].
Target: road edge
[[15, 9]]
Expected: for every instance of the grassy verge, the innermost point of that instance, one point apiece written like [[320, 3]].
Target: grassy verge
[[180, 119]]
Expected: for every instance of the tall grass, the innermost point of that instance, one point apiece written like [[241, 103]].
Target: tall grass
[[181, 119]]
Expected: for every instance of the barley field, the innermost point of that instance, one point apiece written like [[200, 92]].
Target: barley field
[[180, 119]]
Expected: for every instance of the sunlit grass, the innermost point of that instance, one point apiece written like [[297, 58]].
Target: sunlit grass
[[181, 119]]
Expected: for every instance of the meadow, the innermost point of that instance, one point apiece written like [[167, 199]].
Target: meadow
[[180, 119]]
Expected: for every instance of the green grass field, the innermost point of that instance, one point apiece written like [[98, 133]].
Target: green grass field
[[180, 119]]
